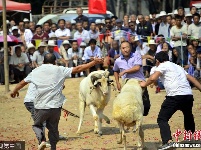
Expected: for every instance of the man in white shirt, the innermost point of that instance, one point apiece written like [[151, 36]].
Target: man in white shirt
[[81, 33], [179, 95], [62, 33], [18, 61], [194, 29], [25, 34], [48, 80], [176, 32], [164, 26]]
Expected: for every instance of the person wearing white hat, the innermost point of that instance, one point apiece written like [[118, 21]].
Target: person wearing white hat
[[189, 21], [30, 51], [38, 56], [164, 26], [26, 23], [15, 32], [98, 23], [51, 44], [64, 48]]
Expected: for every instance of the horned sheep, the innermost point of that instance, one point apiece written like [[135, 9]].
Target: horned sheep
[[95, 92]]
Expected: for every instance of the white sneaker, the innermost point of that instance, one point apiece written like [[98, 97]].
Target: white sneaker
[[42, 145], [48, 145]]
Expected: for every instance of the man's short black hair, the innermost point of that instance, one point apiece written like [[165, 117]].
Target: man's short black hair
[[196, 14], [178, 17], [162, 56], [192, 8], [92, 41], [61, 20], [46, 23], [92, 22], [17, 48], [107, 18], [38, 26], [160, 35], [115, 17], [180, 7], [49, 59]]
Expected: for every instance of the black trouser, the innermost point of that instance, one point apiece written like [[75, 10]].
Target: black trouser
[[146, 102], [2, 79], [169, 107]]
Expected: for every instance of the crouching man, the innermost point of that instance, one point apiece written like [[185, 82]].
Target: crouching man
[[179, 95], [48, 81], [129, 65]]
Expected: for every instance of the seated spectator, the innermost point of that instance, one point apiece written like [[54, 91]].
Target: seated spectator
[[63, 50], [38, 56], [91, 52], [197, 72], [30, 51], [82, 47], [51, 45], [17, 62], [62, 33], [39, 35], [73, 28], [81, 33], [46, 27], [195, 43], [23, 49], [15, 32], [92, 32], [32, 27], [132, 28], [175, 58], [74, 55], [86, 25], [53, 29]]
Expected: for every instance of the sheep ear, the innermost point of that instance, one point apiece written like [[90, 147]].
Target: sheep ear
[[94, 78], [106, 74]]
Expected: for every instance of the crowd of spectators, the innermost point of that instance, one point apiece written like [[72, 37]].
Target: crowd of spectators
[[178, 33]]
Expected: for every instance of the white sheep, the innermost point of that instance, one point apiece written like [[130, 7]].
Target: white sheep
[[95, 92], [128, 110]]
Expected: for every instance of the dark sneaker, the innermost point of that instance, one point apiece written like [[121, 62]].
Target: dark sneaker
[[166, 146]]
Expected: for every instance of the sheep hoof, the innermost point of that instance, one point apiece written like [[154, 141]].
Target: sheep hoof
[[108, 122], [78, 133], [95, 132], [119, 142], [100, 134]]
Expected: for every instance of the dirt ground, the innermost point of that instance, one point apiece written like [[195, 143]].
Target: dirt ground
[[16, 123]]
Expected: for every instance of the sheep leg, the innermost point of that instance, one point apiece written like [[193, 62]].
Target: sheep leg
[[124, 137], [95, 116], [120, 129], [82, 106], [99, 112], [106, 118], [140, 135]]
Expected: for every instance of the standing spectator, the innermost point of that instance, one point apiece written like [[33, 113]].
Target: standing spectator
[[86, 25], [164, 27], [53, 29], [12, 23], [144, 28], [80, 17], [48, 83], [91, 52], [62, 33], [26, 23], [32, 27], [38, 56], [197, 72], [92, 32], [17, 62], [169, 20], [25, 34], [125, 19], [173, 22], [46, 27], [147, 18], [68, 25], [98, 23], [81, 33], [181, 12], [176, 33], [158, 22], [194, 29], [193, 10]]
